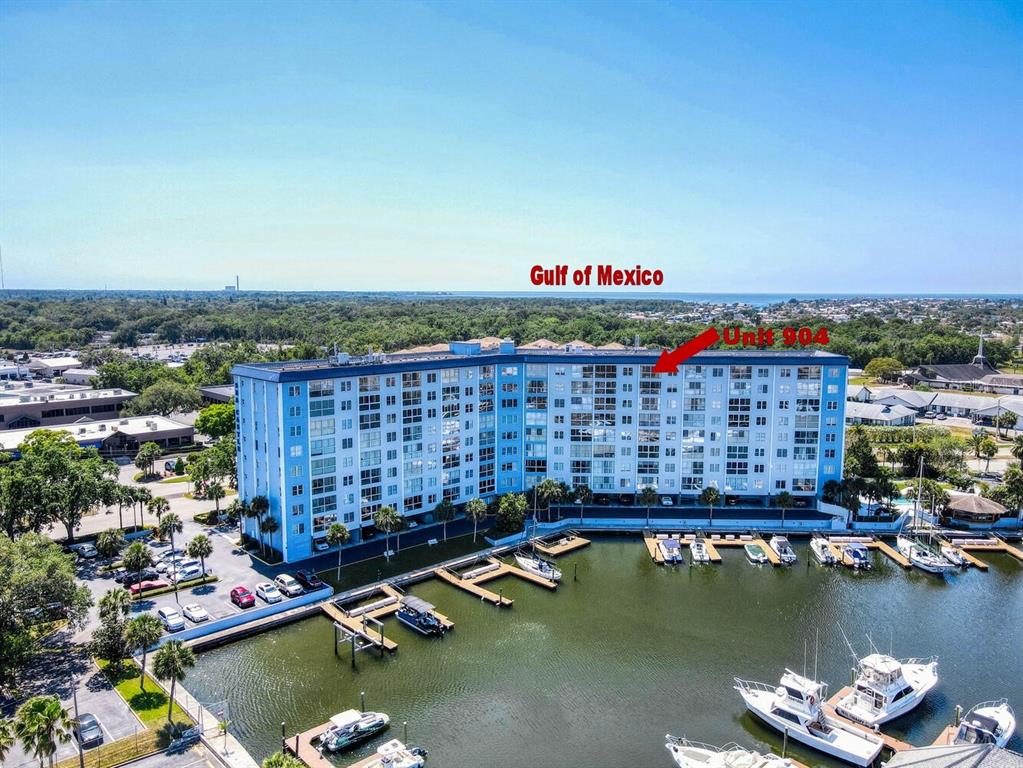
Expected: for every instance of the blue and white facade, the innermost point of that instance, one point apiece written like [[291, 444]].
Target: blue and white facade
[[334, 440]]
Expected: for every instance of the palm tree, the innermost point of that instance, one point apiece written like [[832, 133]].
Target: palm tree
[[124, 496], [784, 501], [42, 724], [215, 493], [648, 497], [547, 491], [269, 526], [709, 497], [169, 525], [115, 604], [137, 558], [143, 632], [158, 506], [476, 509], [110, 542], [171, 663], [1017, 448], [445, 511], [584, 496], [200, 547], [977, 440], [988, 450], [141, 496], [282, 760], [258, 506], [7, 737], [337, 536], [387, 519]]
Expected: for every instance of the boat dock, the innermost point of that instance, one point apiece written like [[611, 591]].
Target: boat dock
[[355, 621], [870, 542], [491, 569], [890, 551], [976, 562], [570, 542], [712, 551], [895, 745], [988, 544], [301, 746], [396, 593], [650, 540], [740, 541]]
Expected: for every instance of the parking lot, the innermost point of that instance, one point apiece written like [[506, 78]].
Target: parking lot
[[52, 674]]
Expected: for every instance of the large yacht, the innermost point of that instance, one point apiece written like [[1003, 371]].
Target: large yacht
[[694, 754], [922, 557], [992, 722], [795, 707], [886, 688], [783, 549]]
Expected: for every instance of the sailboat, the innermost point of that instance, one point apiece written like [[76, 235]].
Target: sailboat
[[923, 556]]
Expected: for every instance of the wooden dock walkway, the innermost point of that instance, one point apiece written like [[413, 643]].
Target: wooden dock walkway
[[945, 737], [354, 624], [473, 588], [891, 552], [976, 562], [772, 556], [506, 569], [653, 549], [895, 745], [712, 551], [992, 544], [562, 546], [301, 746]]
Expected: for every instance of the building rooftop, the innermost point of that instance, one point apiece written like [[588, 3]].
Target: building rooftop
[[876, 411], [58, 394], [563, 353], [956, 756], [88, 431]]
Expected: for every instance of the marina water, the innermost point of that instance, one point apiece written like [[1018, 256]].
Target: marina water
[[597, 672]]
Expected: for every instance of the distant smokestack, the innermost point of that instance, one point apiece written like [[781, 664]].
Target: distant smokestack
[[236, 283]]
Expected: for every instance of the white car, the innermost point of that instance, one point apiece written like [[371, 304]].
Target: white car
[[187, 572], [171, 619], [320, 545], [170, 564], [666, 501], [87, 551], [195, 612], [288, 585], [268, 592]]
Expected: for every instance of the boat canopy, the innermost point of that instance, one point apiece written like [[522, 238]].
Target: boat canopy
[[670, 545], [417, 604], [982, 722], [346, 718]]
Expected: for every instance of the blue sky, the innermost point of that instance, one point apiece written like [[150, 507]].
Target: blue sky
[[778, 147]]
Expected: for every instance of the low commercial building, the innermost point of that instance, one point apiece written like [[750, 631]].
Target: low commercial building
[[83, 376], [115, 437], [217, 393], [51, 367], [878, 415], [32, 405], [999, 406]]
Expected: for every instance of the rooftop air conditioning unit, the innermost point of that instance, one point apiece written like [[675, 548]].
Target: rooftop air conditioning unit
[[123, 421]]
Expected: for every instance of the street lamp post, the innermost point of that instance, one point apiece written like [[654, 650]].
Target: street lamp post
[[78, 735]]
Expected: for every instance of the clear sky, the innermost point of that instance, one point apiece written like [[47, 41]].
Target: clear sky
[[769, 146]]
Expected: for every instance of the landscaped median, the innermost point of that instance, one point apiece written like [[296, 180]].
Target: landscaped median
[[170, 587], [149, 705]]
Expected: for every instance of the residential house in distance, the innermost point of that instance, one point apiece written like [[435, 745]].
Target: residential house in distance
[[30, 405], [878, 414], [335, 440]]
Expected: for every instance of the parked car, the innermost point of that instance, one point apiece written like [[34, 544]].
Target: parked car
[[929, 414], [941, 417], [88, 731], [87, 551], [268, 592], [320, 545], [309, 580], [189, 572], [147, 574], [171, 619], [667, 502], [288, 585], [195, 613], [146, 586], [171, 563], [168, 466], [241, 597]]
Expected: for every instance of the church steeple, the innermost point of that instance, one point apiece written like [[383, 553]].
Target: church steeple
[[980, 359]]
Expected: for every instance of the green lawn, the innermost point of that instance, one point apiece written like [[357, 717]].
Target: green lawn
[[176, 479], [151, 704]]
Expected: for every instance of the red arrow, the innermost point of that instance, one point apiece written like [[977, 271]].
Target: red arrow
[[670, 361]]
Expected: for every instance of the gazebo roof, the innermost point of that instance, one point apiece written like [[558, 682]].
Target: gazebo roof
[[972, 504]]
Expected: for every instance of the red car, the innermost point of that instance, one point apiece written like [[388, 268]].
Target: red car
[[145, 586], [241, 597]]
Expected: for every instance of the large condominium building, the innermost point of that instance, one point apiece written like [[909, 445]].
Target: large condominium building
[[336, 439]]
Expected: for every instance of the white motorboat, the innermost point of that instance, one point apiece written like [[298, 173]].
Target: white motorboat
[[671, 550], [795, 707], [538, 566], [394, 754], [699, 552], [784, 550], [856, 556], [351, 727], [821, 549], [992, 722], [886, 688], [755, 554], [922, 557], [694, 754], [953, 555]]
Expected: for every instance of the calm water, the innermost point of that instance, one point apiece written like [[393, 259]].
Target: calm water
[[596, 673]]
